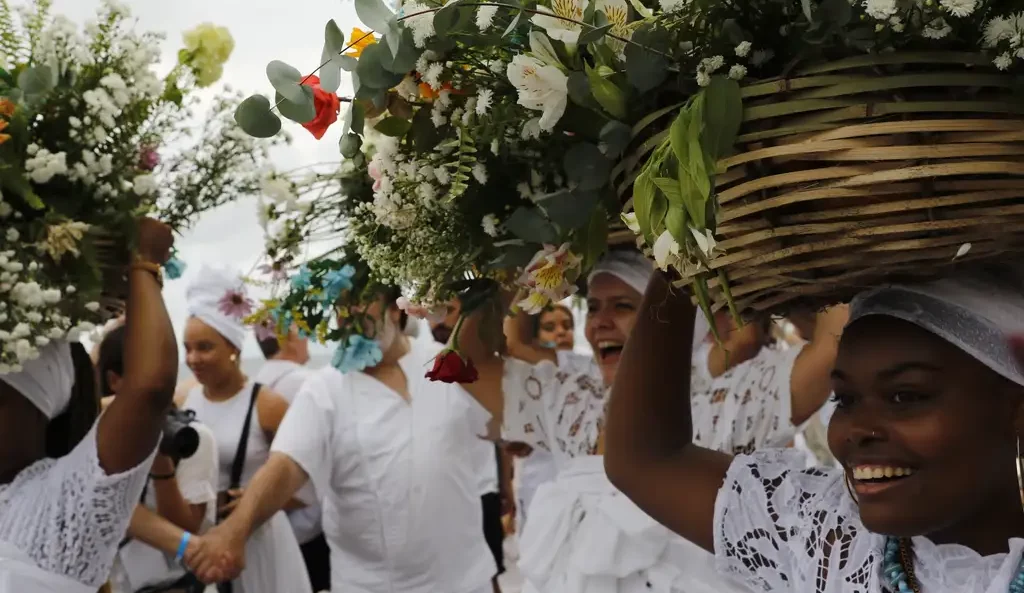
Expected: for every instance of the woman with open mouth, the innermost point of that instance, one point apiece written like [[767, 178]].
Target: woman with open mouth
[[929, 413], [584, 535]]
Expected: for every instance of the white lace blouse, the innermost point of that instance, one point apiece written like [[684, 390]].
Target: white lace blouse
[[67, 515], [784, 528]]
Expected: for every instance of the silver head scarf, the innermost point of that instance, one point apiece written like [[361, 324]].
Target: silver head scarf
[[975, 311], [46, 381], [206, 298], [629, 266]]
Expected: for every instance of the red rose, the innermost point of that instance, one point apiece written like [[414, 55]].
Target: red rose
[[450, 367], [327, 107]]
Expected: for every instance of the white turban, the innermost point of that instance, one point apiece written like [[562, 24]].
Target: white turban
[[629, 266], [46, 381], [207, 296]]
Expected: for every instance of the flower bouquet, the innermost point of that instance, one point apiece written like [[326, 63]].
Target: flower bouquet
[[772, 152], [84, 121]]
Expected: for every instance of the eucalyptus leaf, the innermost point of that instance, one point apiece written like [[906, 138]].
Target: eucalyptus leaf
[[358, 117], [285, 80], [393, 37], [615, 137], [579, 90], [395, 127], [334, 43], [609, 96], [36, 80], [255, 118], [446, 18], [570, 210], [586, 167], [298, 112], [723, 114], [595, 34], [372, 72], [405, 60], [374, 14], [349, 145], [646, 70], [530, 225]]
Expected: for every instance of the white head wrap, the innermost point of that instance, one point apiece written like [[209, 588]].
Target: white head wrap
[[205, 298], [46, 381], [975, 311], [629, 266]]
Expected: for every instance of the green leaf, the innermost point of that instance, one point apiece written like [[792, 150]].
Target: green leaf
[[659, 209], [513, 256], [570, 210], [424, 135], [579, 90], [374, 14], [36, 80], [530, 225], [596, 237], [643, 198], [586, 167], [298, 112], [395, 127], [371, 70], [723, 114], [595, 34], [254, 116], [349, 145], [615, 137], [675, 223], [12, 181], [358, 117], [608, 95], [285, 79], [646, 70], [671, 188], [446, 18], [405, 59], [511, 26], [334, 43], [393, 37]]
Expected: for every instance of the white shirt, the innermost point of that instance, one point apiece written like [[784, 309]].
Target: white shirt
[[138, 564], [487, 461], [63, 518], [398, 480], [286, 377]]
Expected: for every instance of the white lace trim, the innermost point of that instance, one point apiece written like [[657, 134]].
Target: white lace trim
[[785, 528], [68, 515]]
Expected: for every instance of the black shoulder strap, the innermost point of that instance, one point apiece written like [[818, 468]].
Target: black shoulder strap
[[243, 442]]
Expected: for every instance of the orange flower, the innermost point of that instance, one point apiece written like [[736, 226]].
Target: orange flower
[[3, 137], [427, 92], [7, 107], [360, 40]]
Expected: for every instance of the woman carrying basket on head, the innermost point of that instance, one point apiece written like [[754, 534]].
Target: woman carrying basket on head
[[69, 482]]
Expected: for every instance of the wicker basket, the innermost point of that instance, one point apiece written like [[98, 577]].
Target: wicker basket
[[865, 170], [113, 256]]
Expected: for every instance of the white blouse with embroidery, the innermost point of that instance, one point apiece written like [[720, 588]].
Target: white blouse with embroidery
[[784, 528], [67, 515]]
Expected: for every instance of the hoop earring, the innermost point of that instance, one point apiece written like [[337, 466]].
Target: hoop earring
[[853, 495], [1020, 474], [234, 358]]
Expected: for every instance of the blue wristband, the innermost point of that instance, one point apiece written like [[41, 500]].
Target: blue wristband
[[181, 547]]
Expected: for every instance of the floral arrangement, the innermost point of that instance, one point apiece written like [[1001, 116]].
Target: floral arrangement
[[582, 107], [84, 125], [324, 295]]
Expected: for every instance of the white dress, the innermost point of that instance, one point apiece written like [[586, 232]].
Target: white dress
[[399, 480], [62, 519], [784, 528], [273, 561]]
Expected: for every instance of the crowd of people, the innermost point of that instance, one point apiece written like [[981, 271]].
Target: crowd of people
[[635, 465]]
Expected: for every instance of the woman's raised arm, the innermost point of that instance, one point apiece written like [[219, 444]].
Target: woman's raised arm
[[131, 426], [650, 455]]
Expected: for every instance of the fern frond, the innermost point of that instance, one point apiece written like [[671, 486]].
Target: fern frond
[[11, 47], [35, 24]]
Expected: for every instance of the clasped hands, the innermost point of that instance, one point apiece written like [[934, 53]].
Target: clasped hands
[[219, 555]]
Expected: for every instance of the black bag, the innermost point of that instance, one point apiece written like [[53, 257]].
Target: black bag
[[237, 465], [187, 584]]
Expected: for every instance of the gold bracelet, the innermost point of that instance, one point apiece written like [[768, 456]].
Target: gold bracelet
[[152, 268]]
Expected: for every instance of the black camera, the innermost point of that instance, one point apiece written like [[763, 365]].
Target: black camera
[[180, 440]]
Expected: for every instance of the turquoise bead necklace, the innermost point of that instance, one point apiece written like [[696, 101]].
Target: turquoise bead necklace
[[899, 568]]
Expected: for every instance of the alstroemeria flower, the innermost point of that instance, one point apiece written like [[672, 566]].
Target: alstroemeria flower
[[562, 30], [541, 87], [666, 250], [706, 242]]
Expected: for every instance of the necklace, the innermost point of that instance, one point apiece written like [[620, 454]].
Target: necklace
[[899, 568]]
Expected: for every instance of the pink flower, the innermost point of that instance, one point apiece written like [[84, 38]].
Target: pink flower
[[374, 170], [149, 158], [432, 314], [275, 271], [235, 304], [265, 330]]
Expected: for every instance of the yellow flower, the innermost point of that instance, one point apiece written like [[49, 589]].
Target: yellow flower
[[360, 40], [207, 47], [64, 238]]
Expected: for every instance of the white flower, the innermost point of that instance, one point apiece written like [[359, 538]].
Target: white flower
[[737, 72], [42, 341], [960, 8], [897, 24], [937, 29], [144, 185], [92, 306], [485, 17], [5, 209], [490, 225], [421, 25], [71, 289], [671, 6], [743, 49], [531, 129], [437, 117], [665, 247], [702, 78], [497, 66], [12, 235], [433, 75], [1003, 28], [556, 28], [480, 173], [880, 9], [761, 56], [631, 222], [483, 101], [25, 351], [705, 241], [442, 175], [74, 122], [1003, 61], [33, 317], [712, 64], [495, 147], [541, 87]]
